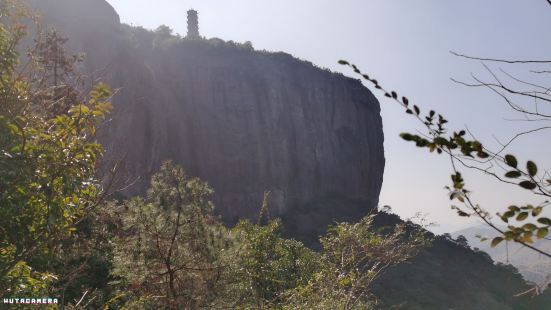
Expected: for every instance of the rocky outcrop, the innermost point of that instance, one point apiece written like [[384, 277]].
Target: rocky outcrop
[[245, 121], [248, 122]]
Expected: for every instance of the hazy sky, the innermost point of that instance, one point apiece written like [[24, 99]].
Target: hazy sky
[[406, 45]]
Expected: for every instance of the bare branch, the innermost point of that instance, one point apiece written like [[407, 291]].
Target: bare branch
[[513, 106], [436, 132], [503, 60], [540, 72], [546, 89], [518, 135]]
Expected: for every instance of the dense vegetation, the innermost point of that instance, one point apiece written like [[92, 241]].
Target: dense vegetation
[[47, 160]]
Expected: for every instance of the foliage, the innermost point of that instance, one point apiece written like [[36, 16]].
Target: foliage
[[47, 162], [168, 251], [172, 252], [354, 256], [472, 154], [526, 222], [448, 275], [267, 265], [163, 31]]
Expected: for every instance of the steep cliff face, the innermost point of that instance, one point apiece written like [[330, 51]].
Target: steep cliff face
[[248, 122], [245, 121]]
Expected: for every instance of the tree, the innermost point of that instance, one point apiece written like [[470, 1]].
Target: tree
[[168, 252], [461, 240], [172, 252], [164, 31], [48, 156], [354, 256], [265, 265], [467, 152]]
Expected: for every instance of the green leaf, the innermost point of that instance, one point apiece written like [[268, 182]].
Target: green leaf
[[513, 174], [542, 232], [509, 235], [406, 136], [511, 160], [343, 62], [544, 221], [528, 185], [81, 108], [496, 241], [522, 216], [532, 168], [529, 227], [527, 239], [537, 211], [476, 145], [482, 154], [463, 214], [440, 141]]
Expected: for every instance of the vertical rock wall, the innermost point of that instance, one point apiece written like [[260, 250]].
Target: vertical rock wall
[[245, 121]]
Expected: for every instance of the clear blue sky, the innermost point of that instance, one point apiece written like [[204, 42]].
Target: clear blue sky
[[405, 44]]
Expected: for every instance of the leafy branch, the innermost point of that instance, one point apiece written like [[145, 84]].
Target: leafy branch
[[466, 151]]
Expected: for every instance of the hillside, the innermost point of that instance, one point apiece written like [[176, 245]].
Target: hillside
[[533, 266]]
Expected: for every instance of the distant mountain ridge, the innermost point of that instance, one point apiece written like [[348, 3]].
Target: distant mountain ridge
[[533, 266]]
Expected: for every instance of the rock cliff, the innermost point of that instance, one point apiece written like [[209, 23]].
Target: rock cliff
[[246, 121]]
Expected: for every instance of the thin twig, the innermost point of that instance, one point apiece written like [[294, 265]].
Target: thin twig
[[509, 61]]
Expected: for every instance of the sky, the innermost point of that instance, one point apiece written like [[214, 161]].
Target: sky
[[406, 45]]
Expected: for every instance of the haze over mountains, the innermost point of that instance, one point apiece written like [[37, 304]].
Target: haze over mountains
[[531, 265]]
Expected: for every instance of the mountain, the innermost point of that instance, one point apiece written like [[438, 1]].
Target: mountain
[[246, 121], [533, 266], [450, 275], [251, 121]]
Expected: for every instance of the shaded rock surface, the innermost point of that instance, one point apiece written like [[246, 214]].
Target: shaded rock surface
[[245, 121]]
